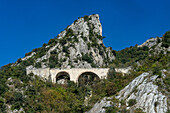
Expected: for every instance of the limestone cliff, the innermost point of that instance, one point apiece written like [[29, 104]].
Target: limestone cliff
[[80, 45], [147, 94]]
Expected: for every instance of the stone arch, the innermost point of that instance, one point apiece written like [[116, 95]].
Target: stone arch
[[62, 77], [88, 78]]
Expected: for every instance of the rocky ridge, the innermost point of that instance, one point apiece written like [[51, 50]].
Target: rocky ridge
[[155, 45]]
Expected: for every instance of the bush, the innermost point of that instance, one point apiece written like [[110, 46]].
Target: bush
[[86, 18], [62, 42], [18, 97], [87, 58], [111, 73], [17, 106], [158, 40], [138, 110], [1, 102], [93, 65], [65, 49], [27, 54], [156, 104], [38, 65], [111, 109], [76, 39], [69, 32], [50, 42], [168, 111], [111, 89], [166, 40], [2, 106], [53, 60], [3, 88], [132, 102], [156, 69]]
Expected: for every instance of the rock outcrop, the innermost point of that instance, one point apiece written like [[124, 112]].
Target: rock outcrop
[[80, 45], [146, 93], [99, 106], [155, 46]]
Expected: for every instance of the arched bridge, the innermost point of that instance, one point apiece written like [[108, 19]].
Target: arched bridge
[[72, 74]]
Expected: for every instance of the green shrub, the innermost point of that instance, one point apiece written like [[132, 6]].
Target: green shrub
[[38, 65], [168, 111], [111, 109], [27, 54], [3, 88], [62, 42], [53, 61], [1, 101], [93, 65], [2, 106], [111, 88], [50, 41], [158, 40], [166, 40], [86, 18], [65, 49], [69, 32], [156, 104], [16, 105], [111, 73], [138, 110], [76, 39], [132, 102], [87, 58]]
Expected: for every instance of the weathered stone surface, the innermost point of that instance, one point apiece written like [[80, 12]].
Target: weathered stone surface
[[99, 106], [74, 73], [154, 42], [123, 70], [146, 94], [85, 38], [150, 42], [27, 57]]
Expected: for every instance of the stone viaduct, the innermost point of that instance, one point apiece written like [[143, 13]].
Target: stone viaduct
[[73, 74]]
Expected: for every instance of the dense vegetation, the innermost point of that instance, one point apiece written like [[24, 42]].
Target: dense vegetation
[[34, 95]]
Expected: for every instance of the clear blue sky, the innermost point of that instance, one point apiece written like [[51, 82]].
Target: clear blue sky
[[27, 24]]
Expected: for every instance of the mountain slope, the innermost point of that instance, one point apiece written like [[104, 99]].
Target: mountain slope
[[146, 79], [148, 72]]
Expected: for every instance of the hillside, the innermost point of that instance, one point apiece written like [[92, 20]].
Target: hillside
[[138, 80], [149, 73]]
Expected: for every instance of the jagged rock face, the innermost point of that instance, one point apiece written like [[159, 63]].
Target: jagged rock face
[[155, 46], [80, 45], [146, 94], [99, 106], [150, 42]]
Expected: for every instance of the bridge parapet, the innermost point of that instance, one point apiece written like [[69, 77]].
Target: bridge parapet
[[74, 73]]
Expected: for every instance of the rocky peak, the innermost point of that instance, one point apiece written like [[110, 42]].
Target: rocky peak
[[80, 45], [84, 25]]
